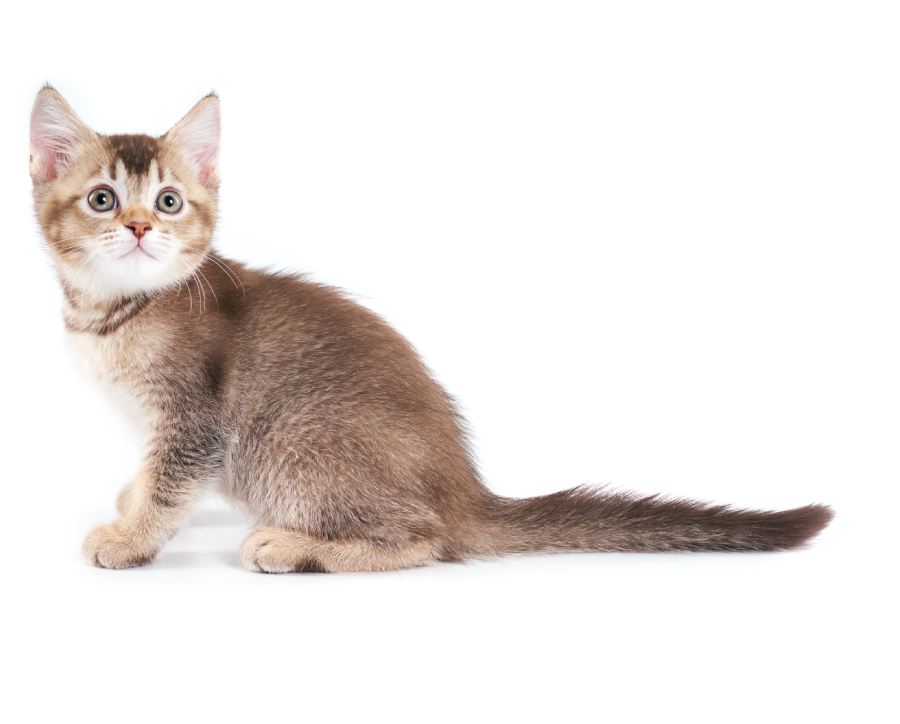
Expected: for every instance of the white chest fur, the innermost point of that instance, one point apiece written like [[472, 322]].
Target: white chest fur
[[120, 365]]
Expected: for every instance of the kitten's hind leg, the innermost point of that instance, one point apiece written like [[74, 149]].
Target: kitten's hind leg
[[278, 550]]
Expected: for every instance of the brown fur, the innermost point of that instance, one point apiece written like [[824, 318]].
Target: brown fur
[[309, 411]]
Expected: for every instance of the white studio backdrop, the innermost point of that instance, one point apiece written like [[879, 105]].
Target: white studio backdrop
[[647, 244]]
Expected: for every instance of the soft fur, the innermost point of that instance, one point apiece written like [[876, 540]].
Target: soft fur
[[303, 407]]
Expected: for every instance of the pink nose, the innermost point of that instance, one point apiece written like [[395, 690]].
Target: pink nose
[[138, 228]]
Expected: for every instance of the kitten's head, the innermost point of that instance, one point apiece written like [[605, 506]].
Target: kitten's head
[[124, 214]]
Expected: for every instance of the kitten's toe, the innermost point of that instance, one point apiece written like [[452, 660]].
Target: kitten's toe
[[271, 550], [109, 546]]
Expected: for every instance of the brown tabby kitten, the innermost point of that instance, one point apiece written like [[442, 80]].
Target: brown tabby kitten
[[306, 409]]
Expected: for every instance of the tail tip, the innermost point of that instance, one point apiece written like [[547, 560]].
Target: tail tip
[[805, 524]]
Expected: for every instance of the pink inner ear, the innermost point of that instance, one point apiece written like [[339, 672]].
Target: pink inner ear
[[203, 153], [50, 160], [54, 135], [205, 158], [198, 136]]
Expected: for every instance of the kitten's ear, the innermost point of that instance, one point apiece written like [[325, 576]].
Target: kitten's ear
[[56, 134], [197, 135]]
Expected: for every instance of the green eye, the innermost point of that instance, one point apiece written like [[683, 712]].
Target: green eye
[[102, 199], [169, 202]]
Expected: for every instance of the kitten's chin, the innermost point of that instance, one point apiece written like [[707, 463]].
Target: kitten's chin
[[132, 274]]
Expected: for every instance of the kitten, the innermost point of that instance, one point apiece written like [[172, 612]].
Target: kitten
[[304, 408]]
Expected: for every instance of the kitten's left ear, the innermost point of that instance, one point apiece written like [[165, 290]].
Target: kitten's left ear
[[56, 134], [197, 135]]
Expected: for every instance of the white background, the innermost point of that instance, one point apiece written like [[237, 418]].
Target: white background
[[645, 244]]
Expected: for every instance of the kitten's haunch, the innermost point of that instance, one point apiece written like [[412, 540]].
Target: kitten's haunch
[[305, 409]]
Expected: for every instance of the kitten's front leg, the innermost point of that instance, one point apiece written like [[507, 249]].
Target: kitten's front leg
[[128, 494], [154, 505]]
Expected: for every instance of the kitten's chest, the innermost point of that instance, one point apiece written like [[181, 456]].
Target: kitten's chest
[[122, 364]]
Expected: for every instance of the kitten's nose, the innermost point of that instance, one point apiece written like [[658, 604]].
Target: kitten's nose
[[138, 228]]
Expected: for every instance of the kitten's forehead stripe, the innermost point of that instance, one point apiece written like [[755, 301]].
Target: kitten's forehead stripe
[[135, 151]]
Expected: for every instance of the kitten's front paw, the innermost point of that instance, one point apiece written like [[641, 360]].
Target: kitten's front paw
[[109, 546]]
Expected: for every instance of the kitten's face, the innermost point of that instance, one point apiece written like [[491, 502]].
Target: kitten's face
[[124, 214]]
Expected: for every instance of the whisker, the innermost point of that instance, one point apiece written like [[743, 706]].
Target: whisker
[[235, 279], [212, 291], [201, 291], [191, 298]]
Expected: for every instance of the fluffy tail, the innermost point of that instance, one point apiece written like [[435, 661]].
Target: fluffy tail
[[583, 519]]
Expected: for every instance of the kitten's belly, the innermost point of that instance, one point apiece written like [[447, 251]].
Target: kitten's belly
[[107, 363]]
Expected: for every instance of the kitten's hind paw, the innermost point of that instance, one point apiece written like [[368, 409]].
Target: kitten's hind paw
[[109, 546], [272, 550]]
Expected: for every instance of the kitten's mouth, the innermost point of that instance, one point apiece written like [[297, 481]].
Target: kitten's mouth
[[136, 248]]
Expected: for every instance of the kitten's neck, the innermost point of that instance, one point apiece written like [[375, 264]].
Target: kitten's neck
[[83, 313]]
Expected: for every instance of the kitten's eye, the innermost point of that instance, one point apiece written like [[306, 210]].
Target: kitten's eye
[[102, 199], [169, 202]]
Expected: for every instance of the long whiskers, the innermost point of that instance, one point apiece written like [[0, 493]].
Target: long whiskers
[[229, 272], [212, 291], [187, 282], [88, 269], [74, 243]]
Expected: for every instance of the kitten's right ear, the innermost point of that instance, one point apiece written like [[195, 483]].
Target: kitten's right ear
[[56, 133]]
